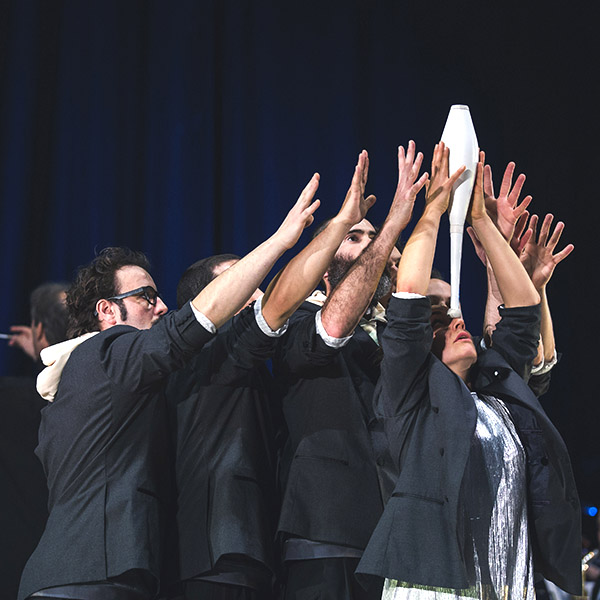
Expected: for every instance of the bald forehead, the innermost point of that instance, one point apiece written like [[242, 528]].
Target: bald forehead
[[439, 292]]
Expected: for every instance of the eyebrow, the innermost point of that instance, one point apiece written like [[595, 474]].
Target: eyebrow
[[371, 232]]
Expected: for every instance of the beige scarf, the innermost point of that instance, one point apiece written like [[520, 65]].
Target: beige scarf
[[55, 358]]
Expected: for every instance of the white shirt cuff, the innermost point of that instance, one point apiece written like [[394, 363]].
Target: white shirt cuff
[[331, 341], [407, 295], [203, 320], [263, 325], [544, 366]]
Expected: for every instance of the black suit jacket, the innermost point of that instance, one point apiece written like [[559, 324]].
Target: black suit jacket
[[333, 462], [103, 444], [430, 419], [24, 495], [225, 449]]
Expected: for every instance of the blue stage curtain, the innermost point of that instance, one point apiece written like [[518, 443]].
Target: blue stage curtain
[[186, 128]]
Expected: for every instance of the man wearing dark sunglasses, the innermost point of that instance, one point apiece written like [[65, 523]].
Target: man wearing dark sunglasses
[[103, 440]]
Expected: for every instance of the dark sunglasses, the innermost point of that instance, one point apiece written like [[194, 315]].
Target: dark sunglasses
[[148, 293]]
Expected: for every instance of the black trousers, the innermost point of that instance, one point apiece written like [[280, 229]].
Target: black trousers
[[326, 579], [208, 590], [132, 585]]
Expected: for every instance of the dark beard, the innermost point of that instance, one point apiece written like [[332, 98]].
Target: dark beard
[[340, 266]]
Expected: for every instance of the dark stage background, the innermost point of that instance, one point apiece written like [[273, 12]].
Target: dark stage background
[[187, 128]]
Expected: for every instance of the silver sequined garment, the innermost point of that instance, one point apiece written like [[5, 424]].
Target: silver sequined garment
[[493, 504]]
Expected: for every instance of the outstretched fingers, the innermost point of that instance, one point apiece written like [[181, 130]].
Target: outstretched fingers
[[488, 183], [308, 213], [545, 230], [309, 190], [559, 256], [507, 179], [369, 201], [418, 185], [519, 210], [453, 178], [514, 194]]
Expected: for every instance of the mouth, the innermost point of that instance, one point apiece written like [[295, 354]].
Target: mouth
[[463, 335]]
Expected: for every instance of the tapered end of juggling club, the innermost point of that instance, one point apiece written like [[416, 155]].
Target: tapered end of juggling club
[[454, 313]]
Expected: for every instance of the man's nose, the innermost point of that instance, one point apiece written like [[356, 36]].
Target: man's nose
[[161, 307]]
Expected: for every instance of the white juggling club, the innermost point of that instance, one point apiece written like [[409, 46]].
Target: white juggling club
[[459, 136]]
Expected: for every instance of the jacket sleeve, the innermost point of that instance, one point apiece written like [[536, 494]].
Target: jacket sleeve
[[406, 347], [516, 337], [301, 348], [136, 359], [239, 349]]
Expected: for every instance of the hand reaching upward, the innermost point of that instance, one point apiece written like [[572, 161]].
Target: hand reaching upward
[[538, 257], [504, 210], [355, 204], [408, 186], [300, 216], [440, 185]]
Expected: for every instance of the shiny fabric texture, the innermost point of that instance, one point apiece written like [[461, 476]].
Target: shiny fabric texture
[[494, 516]]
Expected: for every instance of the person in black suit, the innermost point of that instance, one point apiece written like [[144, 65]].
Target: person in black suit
[[225, 425], [104, 438], [23, 510], [485, 493], [336, 472]]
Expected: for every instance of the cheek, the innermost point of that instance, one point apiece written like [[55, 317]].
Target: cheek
[[438, 344]]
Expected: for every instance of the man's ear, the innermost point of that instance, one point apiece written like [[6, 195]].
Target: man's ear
[[106, 313], [37, 331]]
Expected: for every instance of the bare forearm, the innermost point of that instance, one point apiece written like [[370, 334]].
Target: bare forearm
[[302, 274], [494, 300], [350, 298], [225, 295], [414, 270], [513, 281], [547, 329]]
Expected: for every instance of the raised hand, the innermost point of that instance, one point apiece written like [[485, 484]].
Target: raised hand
[[477, 210], [439, 187], [408, 186], [355, 204], [23, 338], [538, 257], [300, 216], [522, 234], [505, 210]]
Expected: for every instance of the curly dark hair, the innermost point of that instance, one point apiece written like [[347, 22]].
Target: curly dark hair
[[197, 276], [96, 281]]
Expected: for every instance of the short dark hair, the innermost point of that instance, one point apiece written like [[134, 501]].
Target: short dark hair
[[437, 274], [96, 281], [48, 307], [322, 226], [197, 276]]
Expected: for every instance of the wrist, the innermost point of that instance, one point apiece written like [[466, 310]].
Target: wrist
[[482, 222], [281, 241], [339, 221], [433, 211]]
